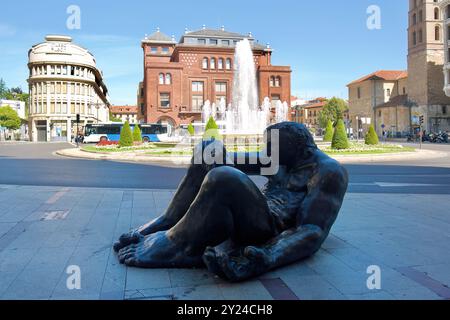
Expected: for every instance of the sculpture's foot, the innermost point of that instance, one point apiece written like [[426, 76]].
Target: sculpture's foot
[[157, 251], [211, 262], [127, 239]]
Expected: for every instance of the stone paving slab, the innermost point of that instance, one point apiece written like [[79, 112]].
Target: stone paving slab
[[395, 233]]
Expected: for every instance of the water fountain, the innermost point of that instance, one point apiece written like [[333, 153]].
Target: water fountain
[[243, 116]]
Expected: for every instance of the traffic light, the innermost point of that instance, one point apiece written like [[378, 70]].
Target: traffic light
[[78, 118], [421, 120]]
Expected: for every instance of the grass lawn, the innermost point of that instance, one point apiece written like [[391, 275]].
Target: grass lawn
[[362, 149], [169, 150]]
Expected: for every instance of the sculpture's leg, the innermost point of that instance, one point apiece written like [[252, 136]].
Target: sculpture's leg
[[228, 206], [183, 198]]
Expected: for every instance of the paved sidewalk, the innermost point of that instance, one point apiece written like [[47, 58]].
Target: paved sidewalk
[[43, 230]]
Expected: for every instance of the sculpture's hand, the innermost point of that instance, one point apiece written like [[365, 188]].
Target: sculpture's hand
[[244, 264]]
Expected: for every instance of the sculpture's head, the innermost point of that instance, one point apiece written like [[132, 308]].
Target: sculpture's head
[[295, 142]]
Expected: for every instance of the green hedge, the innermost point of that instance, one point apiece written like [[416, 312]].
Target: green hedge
[[372, 137], [329, 132], [212, 130], [340, 140], [126, 136], [137, 135]]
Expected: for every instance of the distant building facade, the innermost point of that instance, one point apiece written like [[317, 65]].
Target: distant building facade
[[125, 113], [19, 107], [309, 113], [380, 99], [445, 13], [179, 77], [426, 59], [64, 81]]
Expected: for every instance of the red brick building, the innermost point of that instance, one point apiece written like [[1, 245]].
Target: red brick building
[[180, 76]]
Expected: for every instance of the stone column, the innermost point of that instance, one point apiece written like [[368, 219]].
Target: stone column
[[49, 134]]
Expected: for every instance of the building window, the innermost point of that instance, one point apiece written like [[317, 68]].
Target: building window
[[220, 64], [161, 78], [154, 50], [414, 19], [197, 86], [420, 36], [359, 93], [379, 114], [221, 87], [404, 90], [164, 100], [414, 38], [277, 82], [437, 33], [275, 99], [444, 109], [272, 82], [228, 64], [205, 63], [165, 50], [213, 42], [213, 63], [168, 78], [197, 102], [201, 41], [436, 14], [388, 92], [420, 16], [226, 43]]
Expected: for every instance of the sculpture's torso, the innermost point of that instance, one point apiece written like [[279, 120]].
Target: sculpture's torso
[[285, 193]]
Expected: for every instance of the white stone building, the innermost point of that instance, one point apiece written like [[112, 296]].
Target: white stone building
[[64, 81]]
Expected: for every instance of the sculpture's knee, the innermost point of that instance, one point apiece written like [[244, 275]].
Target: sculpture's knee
[[225, 176]]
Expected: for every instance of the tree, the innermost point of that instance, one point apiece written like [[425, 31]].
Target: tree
[[191, 129], [137, 135], [340, 141], [3, 89], [126, 136], [334, 110], [212, 130], [112, 118], [328, 137], [372, 137], [9, 118]]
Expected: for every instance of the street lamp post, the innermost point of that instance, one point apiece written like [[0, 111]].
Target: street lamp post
[[97, 106]]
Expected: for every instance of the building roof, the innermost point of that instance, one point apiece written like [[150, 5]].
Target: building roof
[[319, 104], [159, 37], [396, 101], [215, 34], [123, 109], [387, 75]]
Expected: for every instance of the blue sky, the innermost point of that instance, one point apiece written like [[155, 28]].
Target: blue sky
[[326, 42]]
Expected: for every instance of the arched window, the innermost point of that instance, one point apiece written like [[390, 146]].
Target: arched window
[[213, 63], [220, 64], [272, 81], [414, 19], [161, 78], [205, 64], [228, 64], [437, 33], [436, 14], [168, 78]]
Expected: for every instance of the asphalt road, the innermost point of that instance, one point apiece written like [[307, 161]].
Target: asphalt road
[[35, 164]]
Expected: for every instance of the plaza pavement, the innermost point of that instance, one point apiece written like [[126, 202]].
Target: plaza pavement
[[43, 230]]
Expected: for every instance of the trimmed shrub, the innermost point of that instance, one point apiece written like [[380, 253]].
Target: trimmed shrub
[[372, 137], [191, 129], [340, 141], [137, 135], [212, 130], [329, 132], [126, 136]]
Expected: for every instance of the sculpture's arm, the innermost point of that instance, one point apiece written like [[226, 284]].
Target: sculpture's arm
[[316, 216], [249, 163]]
